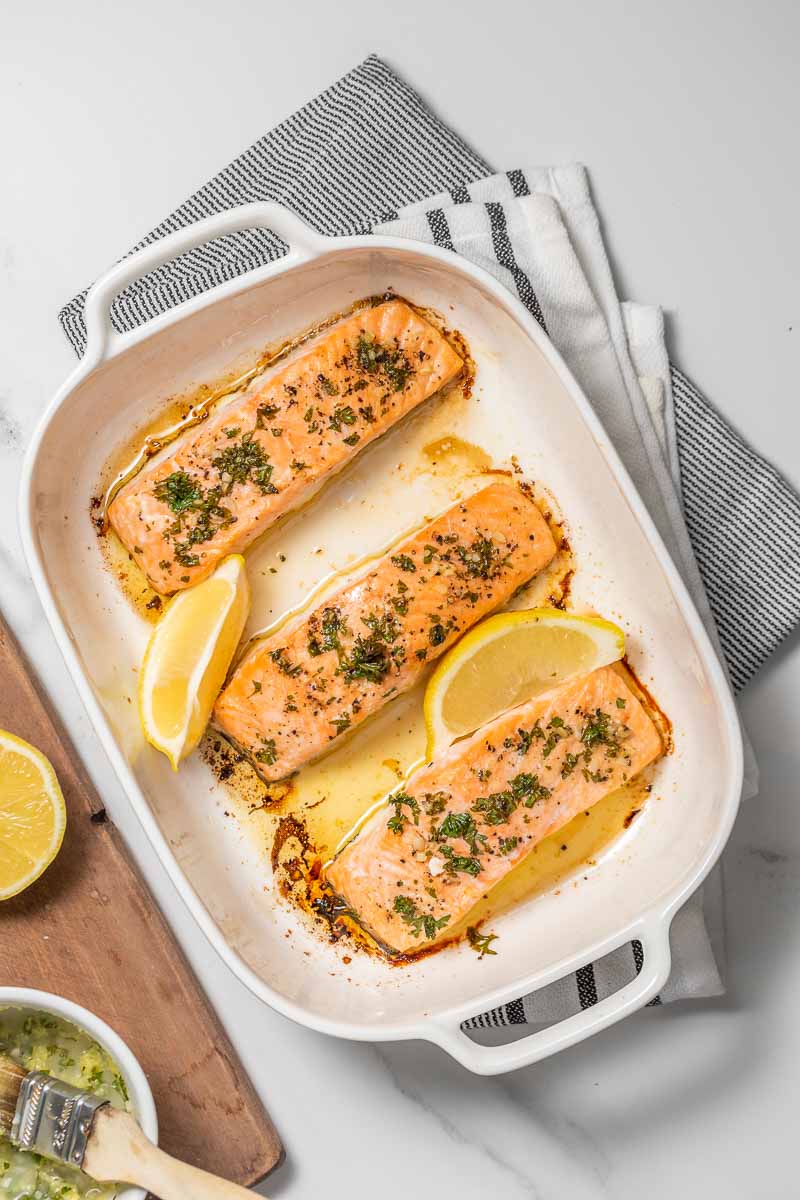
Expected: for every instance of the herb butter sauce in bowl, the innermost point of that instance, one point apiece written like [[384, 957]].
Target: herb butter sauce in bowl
[[43, 1032]]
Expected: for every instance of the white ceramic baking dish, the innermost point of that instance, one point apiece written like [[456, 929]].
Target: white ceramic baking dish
[[526, 403], [141, 1098]]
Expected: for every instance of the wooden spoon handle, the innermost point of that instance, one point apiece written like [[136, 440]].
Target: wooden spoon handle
[[119, 1150]]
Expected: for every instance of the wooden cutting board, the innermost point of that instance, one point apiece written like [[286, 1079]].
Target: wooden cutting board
[[90, 930]]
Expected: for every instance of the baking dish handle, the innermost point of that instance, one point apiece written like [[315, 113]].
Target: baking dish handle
[[101, 337], [497, 1060]]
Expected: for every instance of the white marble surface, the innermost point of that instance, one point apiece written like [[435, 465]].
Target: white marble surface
[[686, 115]]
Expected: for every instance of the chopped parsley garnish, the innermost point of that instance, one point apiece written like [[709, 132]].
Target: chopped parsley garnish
[[268, 754], [343, 722], [467, 864], [352, 439], [526, 787], [179, 491], [210, 516], [384, 628], [481, 559], [401, 800], [94, 1078], [594, 776], [368, 659], [327, 385], [282, 662], [437, 634], [404, 562], [390, 364], [405, 907], [329, 638], [525, 739], [435, 803], [556, 730], [497, 807], [620, 702], [459, 825], [480, 942], [569, 764], [341, 415], [245, 462], [599, 730], [264, 413], [508, 844]]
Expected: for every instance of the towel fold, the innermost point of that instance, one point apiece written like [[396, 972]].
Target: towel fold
[[369, 155]]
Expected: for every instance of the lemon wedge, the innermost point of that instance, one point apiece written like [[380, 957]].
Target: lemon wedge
[[32, 814], [188, 656], [508, 659]]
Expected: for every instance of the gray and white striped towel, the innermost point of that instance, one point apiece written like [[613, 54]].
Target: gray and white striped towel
[[368, 155]]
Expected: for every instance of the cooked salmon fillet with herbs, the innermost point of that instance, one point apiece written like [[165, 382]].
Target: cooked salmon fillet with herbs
[[416, 869], [222, 486], [325, 672]]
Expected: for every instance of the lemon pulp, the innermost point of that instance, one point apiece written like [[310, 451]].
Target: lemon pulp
[[32, 814], [188, 657]]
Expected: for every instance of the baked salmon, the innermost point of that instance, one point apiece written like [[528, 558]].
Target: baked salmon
[[325, 672], [262, 455], [460, 824]]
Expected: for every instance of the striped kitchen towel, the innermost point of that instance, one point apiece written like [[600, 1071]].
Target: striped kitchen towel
[[369, 154]]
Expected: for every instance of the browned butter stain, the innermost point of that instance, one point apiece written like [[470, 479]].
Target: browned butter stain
[[233, 768], [143, 599], [453, 455], [651, 706]]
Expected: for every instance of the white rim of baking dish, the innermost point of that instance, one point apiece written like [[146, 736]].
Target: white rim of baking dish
[[651, 928], [141, 1097]]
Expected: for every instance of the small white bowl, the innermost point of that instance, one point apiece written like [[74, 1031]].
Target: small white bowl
[[141, 1098]]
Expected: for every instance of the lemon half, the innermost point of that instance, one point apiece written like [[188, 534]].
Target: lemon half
[[188, 656], [507, 660], [32, 814]]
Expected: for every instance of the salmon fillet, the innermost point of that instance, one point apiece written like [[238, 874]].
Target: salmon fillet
[[298, 690], [258, 458], [461, 823]]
